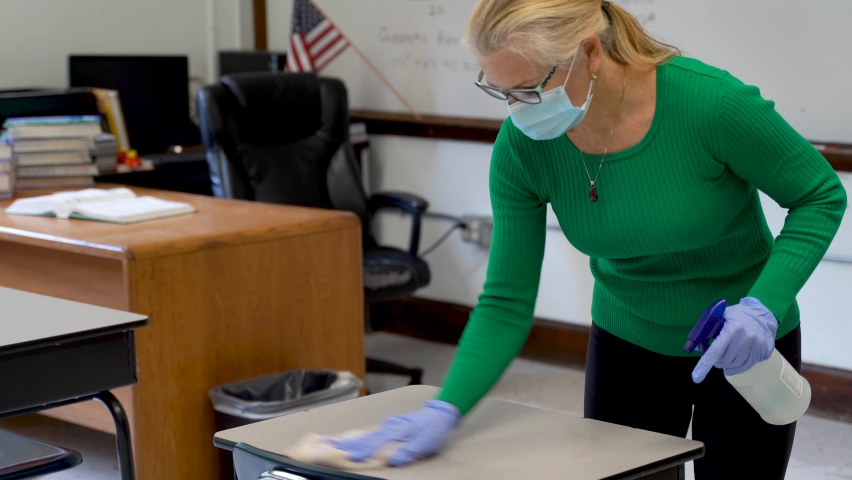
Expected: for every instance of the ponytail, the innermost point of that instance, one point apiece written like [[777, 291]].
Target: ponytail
[[547, 32], [627, 42]]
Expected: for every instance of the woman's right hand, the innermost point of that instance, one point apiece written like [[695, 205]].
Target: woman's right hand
[[421, 433]]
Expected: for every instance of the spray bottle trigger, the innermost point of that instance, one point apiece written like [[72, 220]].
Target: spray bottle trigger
[[707, 328]]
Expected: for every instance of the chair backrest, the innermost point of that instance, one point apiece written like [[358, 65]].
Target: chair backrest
[[282, 138]]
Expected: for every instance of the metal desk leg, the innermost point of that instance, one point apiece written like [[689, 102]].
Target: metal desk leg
[[122, 434]]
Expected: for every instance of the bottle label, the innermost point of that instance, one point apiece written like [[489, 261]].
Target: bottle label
[[792, 379]]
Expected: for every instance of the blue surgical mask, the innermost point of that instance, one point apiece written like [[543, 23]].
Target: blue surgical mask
[[554, 116]]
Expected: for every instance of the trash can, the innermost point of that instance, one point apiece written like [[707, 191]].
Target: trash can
[[261, 398]]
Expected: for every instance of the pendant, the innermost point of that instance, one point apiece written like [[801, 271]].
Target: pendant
[[593, 193]]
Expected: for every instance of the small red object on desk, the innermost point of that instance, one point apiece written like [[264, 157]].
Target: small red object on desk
[[131, 158]]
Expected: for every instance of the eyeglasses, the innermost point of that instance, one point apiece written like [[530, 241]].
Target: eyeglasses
[[524, 95]]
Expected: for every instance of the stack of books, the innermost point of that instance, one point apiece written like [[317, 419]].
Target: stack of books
[[105, 152], [54, 152], [7, 168]]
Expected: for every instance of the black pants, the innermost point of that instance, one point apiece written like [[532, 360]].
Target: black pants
[[629, 385]]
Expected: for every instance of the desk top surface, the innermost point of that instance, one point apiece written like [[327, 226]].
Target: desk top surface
[[217, 223], [497, 440], [30, 320]]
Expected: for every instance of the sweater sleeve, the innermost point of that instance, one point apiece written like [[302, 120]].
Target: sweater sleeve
[[501, 321], [760, 147]]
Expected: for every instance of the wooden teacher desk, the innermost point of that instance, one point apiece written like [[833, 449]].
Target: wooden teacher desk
[[236, 290]]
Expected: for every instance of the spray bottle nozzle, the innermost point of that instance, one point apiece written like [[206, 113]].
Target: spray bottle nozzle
[[707, 328]]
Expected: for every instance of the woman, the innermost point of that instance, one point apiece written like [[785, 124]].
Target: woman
[[652, 163]]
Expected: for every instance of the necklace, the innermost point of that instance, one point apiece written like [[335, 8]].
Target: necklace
[[593, 189]]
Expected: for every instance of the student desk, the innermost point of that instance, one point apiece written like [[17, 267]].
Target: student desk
[[55, 352], [236, 290], [498, 440]]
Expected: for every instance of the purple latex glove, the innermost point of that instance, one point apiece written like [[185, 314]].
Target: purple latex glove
[[422, 433], [748, 337]]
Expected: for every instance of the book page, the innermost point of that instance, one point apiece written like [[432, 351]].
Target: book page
[[63, 203], [130, 210]]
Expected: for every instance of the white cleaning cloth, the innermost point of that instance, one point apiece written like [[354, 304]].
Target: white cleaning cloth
[[318, 450]]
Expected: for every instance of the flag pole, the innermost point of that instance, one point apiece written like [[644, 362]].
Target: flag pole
[[371, 65]]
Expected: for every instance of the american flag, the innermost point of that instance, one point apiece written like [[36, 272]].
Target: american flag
[[314, 41]]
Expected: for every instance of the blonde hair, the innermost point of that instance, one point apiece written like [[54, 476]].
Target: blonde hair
[[549, 32]]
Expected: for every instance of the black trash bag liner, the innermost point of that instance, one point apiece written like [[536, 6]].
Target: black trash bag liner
[[281, 386], [283, 393]]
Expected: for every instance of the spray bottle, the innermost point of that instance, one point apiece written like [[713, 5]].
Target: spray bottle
[[772, 387]]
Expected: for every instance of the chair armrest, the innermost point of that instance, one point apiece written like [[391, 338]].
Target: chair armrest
[[403, 201], [406, 202]]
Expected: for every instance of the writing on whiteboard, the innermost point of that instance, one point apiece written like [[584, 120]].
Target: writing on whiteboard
[[427, 62], [641, 9], [441, 37], [440, 49], [436, 10]]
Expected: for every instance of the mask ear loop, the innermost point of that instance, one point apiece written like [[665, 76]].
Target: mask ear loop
[[591, 84], [570, 69]]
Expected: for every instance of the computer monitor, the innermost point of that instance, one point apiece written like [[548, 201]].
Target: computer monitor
[[231, 61], [154, 93]]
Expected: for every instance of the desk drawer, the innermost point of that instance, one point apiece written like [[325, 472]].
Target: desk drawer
[[33, 378]]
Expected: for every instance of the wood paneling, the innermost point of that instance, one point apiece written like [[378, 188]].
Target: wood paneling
[[840, 159], [566, 344], [431, 126], [831, 391], [548, 341], [261, 39], [485, 130]]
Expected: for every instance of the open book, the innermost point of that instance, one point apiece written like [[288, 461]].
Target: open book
[[117, 205]]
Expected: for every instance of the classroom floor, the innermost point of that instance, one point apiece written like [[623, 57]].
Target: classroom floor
[[821, 452]]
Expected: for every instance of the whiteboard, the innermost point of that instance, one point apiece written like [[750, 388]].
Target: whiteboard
[[416, 45], [798, 52]]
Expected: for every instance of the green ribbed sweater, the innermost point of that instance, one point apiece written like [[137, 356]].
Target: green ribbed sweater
[[678, 224]]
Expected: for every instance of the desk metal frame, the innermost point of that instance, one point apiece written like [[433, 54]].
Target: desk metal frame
[[69, 370]]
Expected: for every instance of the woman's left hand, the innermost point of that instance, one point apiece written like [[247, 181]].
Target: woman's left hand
[[747, 338]]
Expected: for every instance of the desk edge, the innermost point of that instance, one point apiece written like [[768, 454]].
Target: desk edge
[[660, 465], [53, 242], [343, 221], [73, 337], [223, 444]]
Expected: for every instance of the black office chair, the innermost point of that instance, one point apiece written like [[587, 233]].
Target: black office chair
[[22, 457], [284, 138]]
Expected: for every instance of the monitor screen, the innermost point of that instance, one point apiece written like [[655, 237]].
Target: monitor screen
[[254, 61], [154, 94]]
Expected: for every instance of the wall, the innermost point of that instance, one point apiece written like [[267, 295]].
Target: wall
[[278, 14], [38, 35], [453, 176]]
